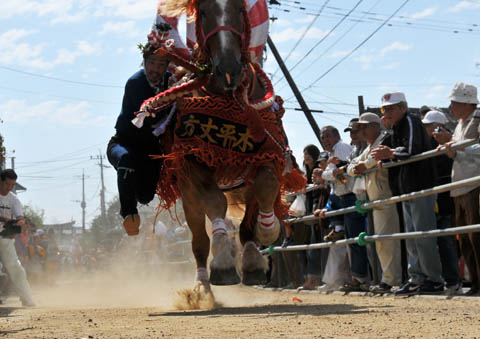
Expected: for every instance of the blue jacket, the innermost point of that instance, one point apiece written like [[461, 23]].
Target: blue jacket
[[137, 90]]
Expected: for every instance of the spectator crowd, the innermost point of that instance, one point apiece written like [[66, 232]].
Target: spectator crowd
[[349, 173]]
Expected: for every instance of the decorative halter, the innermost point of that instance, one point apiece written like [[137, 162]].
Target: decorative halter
[[202, 38]]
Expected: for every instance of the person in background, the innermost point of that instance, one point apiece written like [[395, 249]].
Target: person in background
[[434, 122], [463, 104], [409, 138], [11, 209], [385, 218]]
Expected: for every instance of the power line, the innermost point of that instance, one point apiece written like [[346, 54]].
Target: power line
[[357, 47], [400, 21], [325, 36], [303, 35], [59, 79]]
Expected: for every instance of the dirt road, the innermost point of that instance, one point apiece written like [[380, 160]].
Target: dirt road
[[116, 308]]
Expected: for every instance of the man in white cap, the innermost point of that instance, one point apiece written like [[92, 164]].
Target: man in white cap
[[385, 218], [409, 138], [466, 199], [434, 122]]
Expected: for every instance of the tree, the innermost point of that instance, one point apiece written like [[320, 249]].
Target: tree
[[35, 215]]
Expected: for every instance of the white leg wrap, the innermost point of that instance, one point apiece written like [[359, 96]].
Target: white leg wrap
[[266, 219], [267, 228], [202, 274], [219, 226]]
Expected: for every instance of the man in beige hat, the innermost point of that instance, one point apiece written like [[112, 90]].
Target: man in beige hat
[[410, 138], [466, 199], [385, 218]]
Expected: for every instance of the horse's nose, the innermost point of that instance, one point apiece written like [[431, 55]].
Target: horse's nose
[[228, 73]]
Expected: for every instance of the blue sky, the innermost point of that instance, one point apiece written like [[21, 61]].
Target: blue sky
[[54, 127]]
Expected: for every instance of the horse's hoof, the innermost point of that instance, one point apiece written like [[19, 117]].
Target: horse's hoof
[[257, 277], [227, 276]]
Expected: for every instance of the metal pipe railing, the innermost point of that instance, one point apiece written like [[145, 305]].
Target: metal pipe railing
[[393, 200], [377, 237], [426, 155], [414, 158]]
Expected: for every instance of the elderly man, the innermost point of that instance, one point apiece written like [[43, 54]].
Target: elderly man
[[341, 196], [385, 218], [463, 105], [409, 138]]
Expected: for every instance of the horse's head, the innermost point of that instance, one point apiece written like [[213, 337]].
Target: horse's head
[[223, 34]]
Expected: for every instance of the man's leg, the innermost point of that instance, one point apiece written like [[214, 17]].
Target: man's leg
[[386, 222], [448, 253], [15, 270], [415, 273], [424, 219], [146, 179], [122, 159], [354, 225]]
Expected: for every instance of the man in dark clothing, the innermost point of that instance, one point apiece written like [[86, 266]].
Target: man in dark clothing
[[128, 151], [409, 138]]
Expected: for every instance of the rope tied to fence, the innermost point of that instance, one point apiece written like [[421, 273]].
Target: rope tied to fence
[[358, 207]]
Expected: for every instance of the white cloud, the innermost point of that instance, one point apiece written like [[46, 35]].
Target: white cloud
[[125, 28], [395, 46], [426, 12], [132, 9], [70, 11], [292, 34], [462, 5], [84, 48], [14, 51], [51, 112]]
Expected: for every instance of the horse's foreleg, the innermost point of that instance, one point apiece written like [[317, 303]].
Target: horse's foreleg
[[204, 196], [265, 190], [200, 241]]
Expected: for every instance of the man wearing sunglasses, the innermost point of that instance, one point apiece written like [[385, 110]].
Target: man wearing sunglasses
[[408, 138]]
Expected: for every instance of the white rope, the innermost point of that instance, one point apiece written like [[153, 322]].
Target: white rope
[[393, 200], [414, 158], [378, 237]]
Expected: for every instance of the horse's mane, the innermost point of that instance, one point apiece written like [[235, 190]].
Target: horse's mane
[[176, 8]]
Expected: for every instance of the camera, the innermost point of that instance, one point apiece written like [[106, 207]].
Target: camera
[[10, 228]]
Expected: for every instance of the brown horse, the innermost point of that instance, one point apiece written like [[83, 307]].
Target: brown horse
[[223, 35]]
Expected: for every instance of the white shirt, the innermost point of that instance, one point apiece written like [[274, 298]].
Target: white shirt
[[342, 151], [10, 207], [466, 129]]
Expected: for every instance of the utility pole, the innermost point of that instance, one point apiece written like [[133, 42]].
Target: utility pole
[[100, 157], [83, 204], [293, 86], [13, 163]]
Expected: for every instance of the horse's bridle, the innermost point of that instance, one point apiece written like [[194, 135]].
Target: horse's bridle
[[242, 35]]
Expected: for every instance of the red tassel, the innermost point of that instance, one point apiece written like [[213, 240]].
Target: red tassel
[[255, 124]]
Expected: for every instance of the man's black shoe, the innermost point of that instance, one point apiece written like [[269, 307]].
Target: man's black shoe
[[430, 287], [407, 289]]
